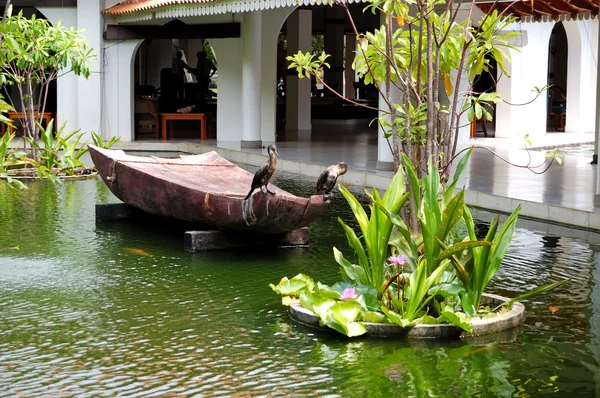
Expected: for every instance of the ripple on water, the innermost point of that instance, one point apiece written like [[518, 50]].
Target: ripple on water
[[81, 317]]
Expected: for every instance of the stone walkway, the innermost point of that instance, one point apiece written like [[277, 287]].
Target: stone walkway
[[564, 194]]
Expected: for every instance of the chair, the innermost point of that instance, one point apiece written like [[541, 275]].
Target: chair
[[148, 119], [557, 107]]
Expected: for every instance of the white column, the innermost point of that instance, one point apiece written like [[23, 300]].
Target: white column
[[464, 125], [118, 102], [271, 26], [66, 84], [597, 129], [229, 99], [251, 79], [348, 71], [297, 91], [334, 46], [581, 72], [90, 18], [385, 156]]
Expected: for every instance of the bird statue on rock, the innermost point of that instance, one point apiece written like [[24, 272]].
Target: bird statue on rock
[[328, 178], [263, 175]]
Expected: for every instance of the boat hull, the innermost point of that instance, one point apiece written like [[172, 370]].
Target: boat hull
[[205, 189]]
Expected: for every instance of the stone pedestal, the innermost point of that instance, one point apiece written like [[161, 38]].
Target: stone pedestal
[[217, 240]]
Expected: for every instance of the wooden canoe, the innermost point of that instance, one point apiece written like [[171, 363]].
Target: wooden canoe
[[205, 189]]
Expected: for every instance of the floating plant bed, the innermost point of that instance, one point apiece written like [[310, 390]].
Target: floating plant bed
[[30, 174], [481, 326]]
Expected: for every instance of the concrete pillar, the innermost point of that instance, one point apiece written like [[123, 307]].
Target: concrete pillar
[[251, 79], [271, 26], [334, 46], [66, 84], [229, 102], [297, 91], [597, 128], [385, 156], [581, 75], [118, 103], [89, 117], [350, 74], [464, 125]]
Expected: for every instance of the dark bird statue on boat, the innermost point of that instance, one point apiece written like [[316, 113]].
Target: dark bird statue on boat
[[263, 175], [328, 178]]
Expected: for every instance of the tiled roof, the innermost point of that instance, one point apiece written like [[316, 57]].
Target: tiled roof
[[131, 6], [544, 9], [529, 10]]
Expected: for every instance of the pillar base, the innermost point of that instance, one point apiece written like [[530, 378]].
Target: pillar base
[[385, 166], [596, 200], [251, 144], [594, 159]]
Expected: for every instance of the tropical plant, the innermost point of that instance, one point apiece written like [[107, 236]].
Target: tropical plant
[[438, 276], [8, 157], [415, 61], [32, 53], [375, 230], [56, 154], [102, 144]]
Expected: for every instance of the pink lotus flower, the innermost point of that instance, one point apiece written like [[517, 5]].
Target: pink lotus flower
[[349, 293], [398, 260]]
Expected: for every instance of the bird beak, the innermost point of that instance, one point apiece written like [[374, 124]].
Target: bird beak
[[276, 153]]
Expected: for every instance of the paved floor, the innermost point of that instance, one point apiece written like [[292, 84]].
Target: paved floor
[[563, 194]]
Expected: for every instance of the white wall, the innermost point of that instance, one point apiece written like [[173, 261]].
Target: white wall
[[581, 75], [272, 22], [118, 85], [528, 69], [229, 103]]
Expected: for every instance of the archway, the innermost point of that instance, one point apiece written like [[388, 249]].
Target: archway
[[557, 79], [160, 86], [322, 115]]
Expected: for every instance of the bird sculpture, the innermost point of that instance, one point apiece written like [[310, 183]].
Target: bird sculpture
[[263, 175], [328, 178]]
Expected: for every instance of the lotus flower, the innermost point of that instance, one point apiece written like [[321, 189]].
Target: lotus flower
[[349, 293], [398, 260]]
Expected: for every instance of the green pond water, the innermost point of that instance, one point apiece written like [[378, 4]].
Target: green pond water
[[119, 309]]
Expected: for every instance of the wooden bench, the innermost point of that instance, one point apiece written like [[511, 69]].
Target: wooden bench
[[183, 116], [47, 117]]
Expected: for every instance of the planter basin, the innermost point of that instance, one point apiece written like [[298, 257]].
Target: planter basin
[[508, 320], [29, 174]]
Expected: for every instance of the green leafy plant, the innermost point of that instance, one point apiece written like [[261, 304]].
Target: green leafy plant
[[32, 53], [102, 144], [438, 276], [8, 157], [375, 230], [57, 154]]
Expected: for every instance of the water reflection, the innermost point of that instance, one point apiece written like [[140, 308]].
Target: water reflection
[[81, 316]]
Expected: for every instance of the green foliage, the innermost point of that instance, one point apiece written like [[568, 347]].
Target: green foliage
[[418, 56], [32, 53], [8, 157], [101, 144], [439, 270], [307, 63], [60, 154], [376, 230]]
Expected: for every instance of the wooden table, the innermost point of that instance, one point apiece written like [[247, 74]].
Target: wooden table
[[183, 116], [46, 116]]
